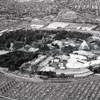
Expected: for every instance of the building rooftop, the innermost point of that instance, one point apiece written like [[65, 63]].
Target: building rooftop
[[56, 25]]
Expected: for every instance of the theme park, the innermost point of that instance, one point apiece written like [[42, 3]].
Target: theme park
[[49, 50]]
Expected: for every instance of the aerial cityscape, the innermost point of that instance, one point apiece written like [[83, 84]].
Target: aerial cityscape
[[49, 49]]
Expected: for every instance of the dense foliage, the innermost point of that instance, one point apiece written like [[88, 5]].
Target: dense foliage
[[63, 34], [95, 70], [50, 74], [68, 49], [30, 36], [13, 60], [19, 35]]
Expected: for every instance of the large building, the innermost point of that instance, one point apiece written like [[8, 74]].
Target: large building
[[37, 23], [57, 25]]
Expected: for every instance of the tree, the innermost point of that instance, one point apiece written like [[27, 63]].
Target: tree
[[14, 60], [62, 75]]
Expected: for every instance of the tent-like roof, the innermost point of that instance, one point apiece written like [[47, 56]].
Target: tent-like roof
[[84, 46]]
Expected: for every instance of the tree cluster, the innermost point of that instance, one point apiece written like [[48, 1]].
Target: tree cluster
[[40, 37], [25, 36], [79, 35], [95, 70], [14, 60], [51, 74], [69, 49]]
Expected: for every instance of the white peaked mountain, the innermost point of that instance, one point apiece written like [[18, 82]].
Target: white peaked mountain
[[84, 46]]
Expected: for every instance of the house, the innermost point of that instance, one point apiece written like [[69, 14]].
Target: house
[[88, 27], [88, 54], [47, 68], [33, 49], [56, 25], [58, 42], [37, 23]]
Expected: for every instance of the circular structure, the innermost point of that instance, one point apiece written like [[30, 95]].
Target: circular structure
[[75, 72]]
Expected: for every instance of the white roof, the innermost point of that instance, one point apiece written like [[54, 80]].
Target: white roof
[[80, 64], [95, 62], [60, 43], [38, 60], [57, 41], [56, 60], [72, 71], [37, 21], [47, 68], [75, 56], [62, 67], [77, 61], [92, 63], [33, 49], [74, 64], [46, 61], [36, 26], [84, 46], [55, 25], [84, 53], [64, 57], [98, 58], [2, 52]]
